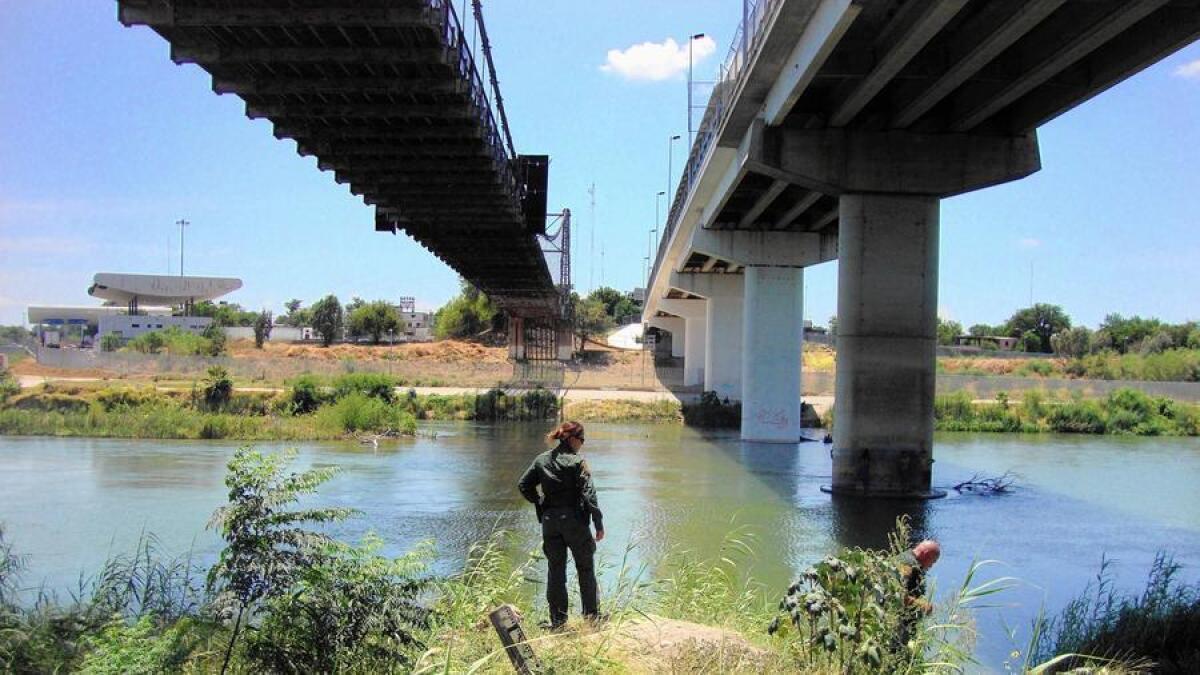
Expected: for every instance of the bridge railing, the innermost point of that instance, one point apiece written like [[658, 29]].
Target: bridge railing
[[456, 40], [747, 41]]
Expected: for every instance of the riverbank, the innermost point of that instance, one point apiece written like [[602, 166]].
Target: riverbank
[[352, 405]]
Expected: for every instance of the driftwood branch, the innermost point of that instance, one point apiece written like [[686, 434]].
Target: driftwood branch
[[977, 484]]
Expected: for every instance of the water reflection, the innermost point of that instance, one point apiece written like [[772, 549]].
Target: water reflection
[[866, 523]]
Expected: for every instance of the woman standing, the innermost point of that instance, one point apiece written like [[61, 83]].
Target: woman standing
[[563, 505]]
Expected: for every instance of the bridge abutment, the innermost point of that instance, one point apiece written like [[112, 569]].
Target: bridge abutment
[[772, 334]]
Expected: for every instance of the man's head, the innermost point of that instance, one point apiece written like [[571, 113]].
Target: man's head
[[927, 553]]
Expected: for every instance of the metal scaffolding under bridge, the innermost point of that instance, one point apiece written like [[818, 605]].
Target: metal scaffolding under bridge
[[388, 95]]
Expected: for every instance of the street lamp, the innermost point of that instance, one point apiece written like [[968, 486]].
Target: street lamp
[[670, 157], [695, 37], [182, 224]]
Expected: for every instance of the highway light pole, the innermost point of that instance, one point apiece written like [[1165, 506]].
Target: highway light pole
[[670, 158], [182, 224], [695, 37]]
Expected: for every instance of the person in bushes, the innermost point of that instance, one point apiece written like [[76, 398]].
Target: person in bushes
[[559, 485], [913, 565]]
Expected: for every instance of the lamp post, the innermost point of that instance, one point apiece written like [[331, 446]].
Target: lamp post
[[670, 158], [182, 224], [695, 37]]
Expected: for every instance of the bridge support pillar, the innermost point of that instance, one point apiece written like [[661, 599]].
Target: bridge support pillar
[[677, 327], [886, 340], [695, 336], [772, 333], [723, 341], [516, 338], [565, 341]]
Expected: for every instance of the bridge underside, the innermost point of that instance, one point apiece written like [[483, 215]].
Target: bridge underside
[[385, 94], [835, 131]]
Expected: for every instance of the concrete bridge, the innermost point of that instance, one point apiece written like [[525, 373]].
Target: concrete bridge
[[387, 95], [834, 131]]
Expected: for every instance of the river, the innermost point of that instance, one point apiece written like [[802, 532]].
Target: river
[[71, 503]]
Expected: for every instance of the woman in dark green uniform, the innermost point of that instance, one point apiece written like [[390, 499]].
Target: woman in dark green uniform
[[564, 504]]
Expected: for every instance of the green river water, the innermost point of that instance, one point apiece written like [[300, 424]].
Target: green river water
[[71, 503]]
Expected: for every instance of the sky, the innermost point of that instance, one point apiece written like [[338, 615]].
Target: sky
[[105, 144]]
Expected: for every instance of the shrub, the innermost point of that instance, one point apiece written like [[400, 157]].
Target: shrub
[[215, 337], [144, 647], [110, 342], [147, 343], [358, 412], [375, 385], [306, 394], [218, 388], [1078, 417], [353, 609], [711, 412], [9, 386]]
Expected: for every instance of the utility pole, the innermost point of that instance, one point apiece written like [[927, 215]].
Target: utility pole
[[592, 241], [692, 39], [182, 224]]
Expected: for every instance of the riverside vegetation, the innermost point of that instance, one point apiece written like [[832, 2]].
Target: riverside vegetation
[[311, 408], [284, 597]]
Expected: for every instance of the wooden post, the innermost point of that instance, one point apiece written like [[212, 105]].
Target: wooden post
[[507, 623]]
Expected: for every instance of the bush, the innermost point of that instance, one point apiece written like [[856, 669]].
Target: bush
[[375, 385], [353, 610], [9, 386], [218, 388], [110, 342], [144, 647], [358, 412], [711, 412], [1078, 417], [147, 343], [306, 394]]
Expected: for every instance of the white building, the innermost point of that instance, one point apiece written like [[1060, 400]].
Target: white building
[[134, 304]]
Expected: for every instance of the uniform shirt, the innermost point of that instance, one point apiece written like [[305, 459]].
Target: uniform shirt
[[565, 480]]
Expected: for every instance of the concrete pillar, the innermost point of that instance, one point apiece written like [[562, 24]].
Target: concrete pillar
[[772, 333], [886, 337], [565, 341], [695, 335], [516, 338], [723, 352], [679, 339], [677, 327]]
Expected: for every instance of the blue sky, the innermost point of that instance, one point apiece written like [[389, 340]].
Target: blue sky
[[104, 144]]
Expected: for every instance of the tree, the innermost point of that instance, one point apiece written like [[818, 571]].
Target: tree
[[1043, 320], [1072, 343], [1031, 342], [947, 330], [591, 318], [296, 315], [616, 304], [215, 335], [262, 328], [1126, 334], [218, 388], [266, 546], [466, 315], [983, 329], [327, 319], [224, 313], [374, 319]]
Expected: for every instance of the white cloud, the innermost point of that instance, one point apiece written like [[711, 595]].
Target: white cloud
[[1190, 70], [654, 61], [1029, 242]]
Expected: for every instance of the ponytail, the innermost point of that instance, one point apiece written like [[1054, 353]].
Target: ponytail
[[564, 431]]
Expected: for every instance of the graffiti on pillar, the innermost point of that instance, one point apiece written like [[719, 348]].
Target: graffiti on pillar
[[772, 417]]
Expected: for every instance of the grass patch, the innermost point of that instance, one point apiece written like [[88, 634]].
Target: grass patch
[[617, 411]]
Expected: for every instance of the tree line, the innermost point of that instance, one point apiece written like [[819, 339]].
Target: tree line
[[330, 320], [1047, 329]]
